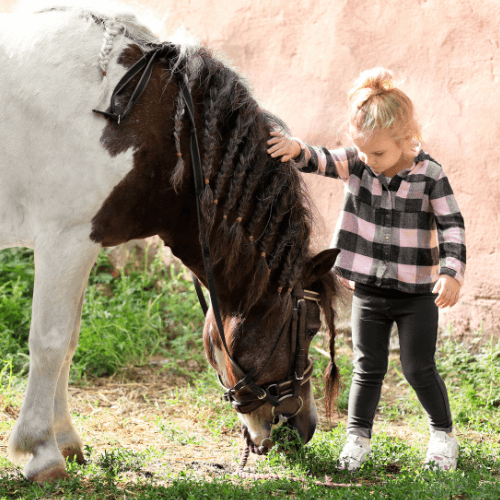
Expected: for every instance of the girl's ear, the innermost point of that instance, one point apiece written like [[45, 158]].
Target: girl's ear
[[407, 144]]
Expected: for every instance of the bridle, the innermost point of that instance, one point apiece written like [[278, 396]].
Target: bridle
[[298, 373], [246, 395]]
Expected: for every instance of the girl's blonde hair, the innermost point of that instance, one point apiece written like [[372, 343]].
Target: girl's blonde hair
[[376, 103]]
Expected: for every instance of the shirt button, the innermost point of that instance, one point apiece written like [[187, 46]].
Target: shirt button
[[387, 237]]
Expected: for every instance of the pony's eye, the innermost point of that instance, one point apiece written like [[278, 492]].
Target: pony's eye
[[312, 333]]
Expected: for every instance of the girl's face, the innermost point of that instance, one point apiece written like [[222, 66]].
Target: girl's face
[[382, 153]]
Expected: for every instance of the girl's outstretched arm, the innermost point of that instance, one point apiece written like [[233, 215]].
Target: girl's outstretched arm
[[337, 163]]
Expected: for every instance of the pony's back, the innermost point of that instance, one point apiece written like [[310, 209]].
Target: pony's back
[[51, 79]]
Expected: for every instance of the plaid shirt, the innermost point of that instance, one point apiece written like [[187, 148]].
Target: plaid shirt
[[399, 235]]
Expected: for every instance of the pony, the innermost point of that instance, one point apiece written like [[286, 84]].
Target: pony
[[73, 181]]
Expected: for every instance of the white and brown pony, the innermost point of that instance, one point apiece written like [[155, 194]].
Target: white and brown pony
[[73, 181]]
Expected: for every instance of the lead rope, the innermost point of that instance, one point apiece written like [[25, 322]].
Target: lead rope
[[262, 450]]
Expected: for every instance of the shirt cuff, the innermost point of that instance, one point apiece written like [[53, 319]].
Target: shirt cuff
[[453, 273], [302, 150]]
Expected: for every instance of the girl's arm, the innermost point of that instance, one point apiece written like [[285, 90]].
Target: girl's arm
[[451, 234], [319, 160]]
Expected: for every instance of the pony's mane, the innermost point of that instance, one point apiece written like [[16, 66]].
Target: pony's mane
[[140, 24], [256, 208]]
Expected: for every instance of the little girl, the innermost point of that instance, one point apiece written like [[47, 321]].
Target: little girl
[[401, 236]]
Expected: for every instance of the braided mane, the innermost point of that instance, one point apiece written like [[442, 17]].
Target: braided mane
[[255, 207]]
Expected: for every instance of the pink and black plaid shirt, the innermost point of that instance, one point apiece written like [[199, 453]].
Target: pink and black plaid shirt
[[400, 235]]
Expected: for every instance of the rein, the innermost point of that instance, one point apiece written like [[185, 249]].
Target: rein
[[274, 393], [271, 393]]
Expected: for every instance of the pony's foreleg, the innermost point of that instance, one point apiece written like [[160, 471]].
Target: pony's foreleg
[[62, 266], [68, 440]]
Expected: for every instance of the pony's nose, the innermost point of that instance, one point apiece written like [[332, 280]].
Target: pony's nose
[[306, 430]]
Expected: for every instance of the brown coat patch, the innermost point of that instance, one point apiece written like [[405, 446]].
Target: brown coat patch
[[144, 203]]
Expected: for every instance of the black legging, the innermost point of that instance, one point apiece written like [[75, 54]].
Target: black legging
[[417, 321]]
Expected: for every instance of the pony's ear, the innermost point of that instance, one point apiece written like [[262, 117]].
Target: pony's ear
[[320, 264]]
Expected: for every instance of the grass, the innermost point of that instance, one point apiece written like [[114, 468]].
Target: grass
[[126, 318], [146, 320]]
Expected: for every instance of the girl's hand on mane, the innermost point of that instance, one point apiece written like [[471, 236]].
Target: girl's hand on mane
[[282, 146]]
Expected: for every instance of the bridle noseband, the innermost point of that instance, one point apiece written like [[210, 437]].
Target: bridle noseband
[[246, 395]]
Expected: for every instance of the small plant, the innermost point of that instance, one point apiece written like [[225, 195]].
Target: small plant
[[115, 461]]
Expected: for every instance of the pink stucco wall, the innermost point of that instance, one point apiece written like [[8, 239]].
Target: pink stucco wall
[[302, 56]]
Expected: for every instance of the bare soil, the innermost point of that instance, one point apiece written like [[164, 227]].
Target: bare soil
[[124, 412]]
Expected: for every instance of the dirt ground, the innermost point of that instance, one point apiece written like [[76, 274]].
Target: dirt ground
[[125, 411]]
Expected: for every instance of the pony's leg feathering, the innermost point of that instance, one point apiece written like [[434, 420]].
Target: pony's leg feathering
[[44, 429]]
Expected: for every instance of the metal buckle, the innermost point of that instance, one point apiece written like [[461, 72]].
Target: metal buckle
[[288, 417], [263, 394]]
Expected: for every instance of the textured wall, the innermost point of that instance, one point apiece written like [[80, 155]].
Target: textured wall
[[302, 56]]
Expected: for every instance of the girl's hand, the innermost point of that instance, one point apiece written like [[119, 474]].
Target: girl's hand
[[448, 289], [288, 149]]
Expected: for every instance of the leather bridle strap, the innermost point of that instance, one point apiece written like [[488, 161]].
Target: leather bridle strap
[[246, 379], [199, 293], [145, 65]]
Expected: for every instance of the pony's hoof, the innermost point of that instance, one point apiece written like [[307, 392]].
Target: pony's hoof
[[73, 454], [49, 475], [45, 470]]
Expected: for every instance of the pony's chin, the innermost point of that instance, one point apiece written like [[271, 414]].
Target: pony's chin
[[259, 428]]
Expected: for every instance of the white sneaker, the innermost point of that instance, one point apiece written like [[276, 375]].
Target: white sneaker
[[442, 451], [354, 453]]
